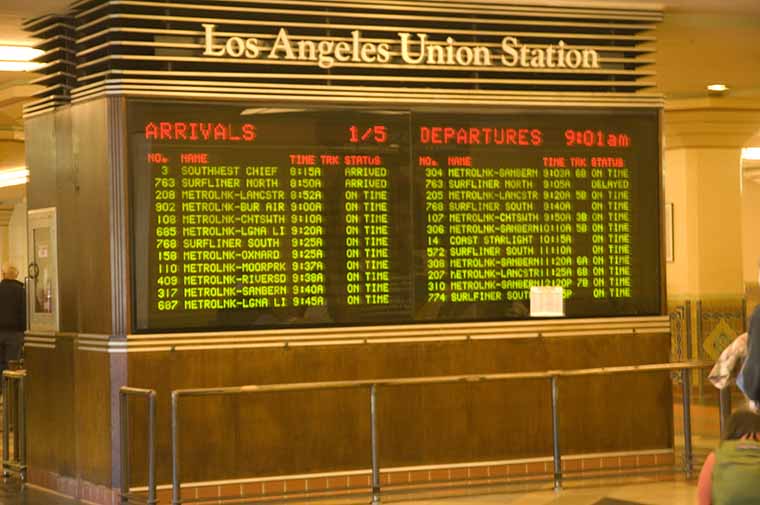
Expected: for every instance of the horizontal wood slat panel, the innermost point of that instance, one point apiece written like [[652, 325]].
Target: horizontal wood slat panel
[[142, 47], [418, 424]]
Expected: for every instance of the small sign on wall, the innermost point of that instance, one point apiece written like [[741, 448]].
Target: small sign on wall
[[547, 301]]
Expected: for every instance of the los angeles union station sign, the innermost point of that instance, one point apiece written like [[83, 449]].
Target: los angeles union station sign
[[412, 49]]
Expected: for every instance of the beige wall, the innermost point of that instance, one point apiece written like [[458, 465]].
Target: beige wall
[[13, 236], [703, 185], [11, 154], [751, 229], [675, 181]]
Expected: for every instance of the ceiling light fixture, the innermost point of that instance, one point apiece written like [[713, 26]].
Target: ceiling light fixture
[[717, 89], [19, 58], [14, 177], [751, 153], [19, 66], [19, 53]]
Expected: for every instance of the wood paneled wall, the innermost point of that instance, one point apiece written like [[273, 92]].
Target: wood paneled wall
[[51, 425], [68, 412], [225, 438], [54, 182], [89, 121], [93, 417], [69, 390]]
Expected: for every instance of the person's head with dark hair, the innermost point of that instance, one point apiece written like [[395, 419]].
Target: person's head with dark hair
[[742, 424]]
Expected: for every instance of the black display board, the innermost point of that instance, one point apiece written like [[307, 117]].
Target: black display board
[[246, 217]]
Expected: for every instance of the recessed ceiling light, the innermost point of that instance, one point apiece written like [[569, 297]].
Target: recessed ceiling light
[[19, 58], [751, 153], [19, 66], [19, 53], [717, 88], [14, 177]]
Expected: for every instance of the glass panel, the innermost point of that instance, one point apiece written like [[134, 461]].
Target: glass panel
[[43, 286]]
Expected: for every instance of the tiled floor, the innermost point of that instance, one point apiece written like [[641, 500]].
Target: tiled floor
[[659, 493], [652, 493], [12, 494]]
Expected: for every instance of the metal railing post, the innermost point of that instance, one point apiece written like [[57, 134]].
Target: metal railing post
[[124, 394], [13, 397], [176, 500], [124, 434], [373, 440], [687, 320], [14, 419], [698, 331], [555, 434], [6, 426], [687, 449], [152, 448], [724, 407], [21, 427]]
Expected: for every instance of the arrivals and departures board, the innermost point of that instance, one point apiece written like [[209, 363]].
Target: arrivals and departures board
[[509, 202], [246, 217]]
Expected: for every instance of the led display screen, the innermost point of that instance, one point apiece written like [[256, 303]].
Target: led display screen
[[245, 217]]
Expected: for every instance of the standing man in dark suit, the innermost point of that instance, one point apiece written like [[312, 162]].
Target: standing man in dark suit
[[12, 315]]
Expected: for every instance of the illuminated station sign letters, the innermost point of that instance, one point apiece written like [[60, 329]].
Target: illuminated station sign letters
[[254, 218]]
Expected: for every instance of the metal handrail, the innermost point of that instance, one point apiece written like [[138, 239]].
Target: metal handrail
[[124, 393], [372, 385], [14, 407], [442, 379]]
